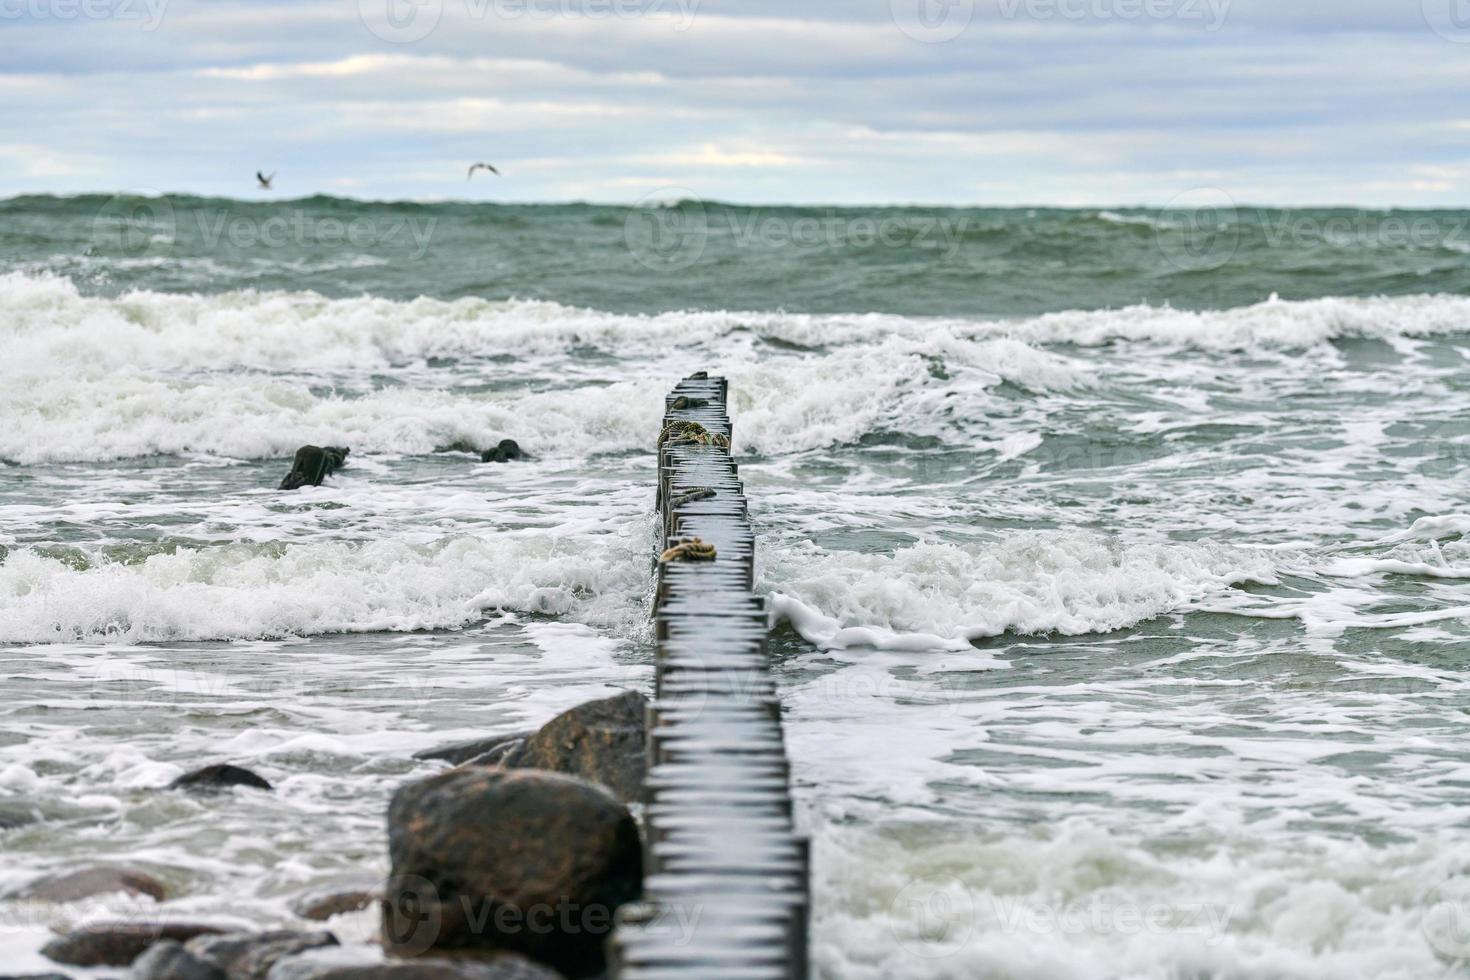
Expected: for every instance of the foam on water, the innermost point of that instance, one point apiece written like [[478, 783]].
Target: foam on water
[[254, 591], [1042, 582]]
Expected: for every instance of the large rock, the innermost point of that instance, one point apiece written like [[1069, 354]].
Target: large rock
[[369, 964], [489, 859], [601, 741], [118, 943], [479, 751], [170, 960], [101, 879], [213, 779]]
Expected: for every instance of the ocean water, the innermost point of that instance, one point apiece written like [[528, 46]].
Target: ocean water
[[1118, 556]]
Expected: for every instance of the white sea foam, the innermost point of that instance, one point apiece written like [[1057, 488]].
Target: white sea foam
[[1071, 901], [941, 596], [90, 378], [258, 591]]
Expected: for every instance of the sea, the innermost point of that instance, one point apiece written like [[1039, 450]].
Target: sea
[[1117, 558]]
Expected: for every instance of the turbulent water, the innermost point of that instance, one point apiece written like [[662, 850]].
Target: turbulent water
[[1118, 555]]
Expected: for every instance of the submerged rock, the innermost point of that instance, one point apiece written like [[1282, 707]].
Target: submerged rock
[[213, 779], [118, 943], [313, 464], [102, 879], [480, 751], [507, 450], [365, 963], [322, 905], [494, 859], [601, 741]]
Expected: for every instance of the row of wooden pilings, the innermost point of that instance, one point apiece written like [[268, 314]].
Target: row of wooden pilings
[[727, 891]]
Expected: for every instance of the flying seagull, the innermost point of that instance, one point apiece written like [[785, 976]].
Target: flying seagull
[[265, 182], [480, 166]]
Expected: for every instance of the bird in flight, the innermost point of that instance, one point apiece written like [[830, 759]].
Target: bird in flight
[[265, 182], [480, 166]]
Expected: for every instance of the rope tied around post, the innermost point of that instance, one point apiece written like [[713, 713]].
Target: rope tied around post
[[683, 431], [688, 549]]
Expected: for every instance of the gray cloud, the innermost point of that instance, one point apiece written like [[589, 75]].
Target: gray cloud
[[1033, 101]]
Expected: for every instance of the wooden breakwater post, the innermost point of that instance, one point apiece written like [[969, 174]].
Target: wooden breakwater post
[[727, 892]]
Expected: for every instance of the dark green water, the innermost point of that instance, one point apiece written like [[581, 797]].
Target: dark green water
[[713, 256]]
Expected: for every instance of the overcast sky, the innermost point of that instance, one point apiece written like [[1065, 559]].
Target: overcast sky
[[1067, 102]]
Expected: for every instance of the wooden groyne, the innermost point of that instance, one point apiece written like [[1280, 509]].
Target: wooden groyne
[[726, 894]]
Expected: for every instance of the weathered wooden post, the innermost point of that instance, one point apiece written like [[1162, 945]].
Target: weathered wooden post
[[727, 889]]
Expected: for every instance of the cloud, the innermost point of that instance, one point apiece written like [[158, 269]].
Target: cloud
[[829, 101]]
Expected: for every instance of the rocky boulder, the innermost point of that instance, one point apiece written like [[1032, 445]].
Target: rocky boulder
[[322, 905], [506, 451], [479, 751], [488, 859], [118, 943], [370, 964], [213, 779], [169, 960], [600, 741], [253, 955], [101, 879]]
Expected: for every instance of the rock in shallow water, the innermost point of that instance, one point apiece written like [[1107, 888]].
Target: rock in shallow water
[[102, 879], [170, 960], [250, 955], [322, 905], [480, 751], [366, 963], [528, 861], [601, 741], [212, 779], [118, 943], [312, 464], [505, 452]]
